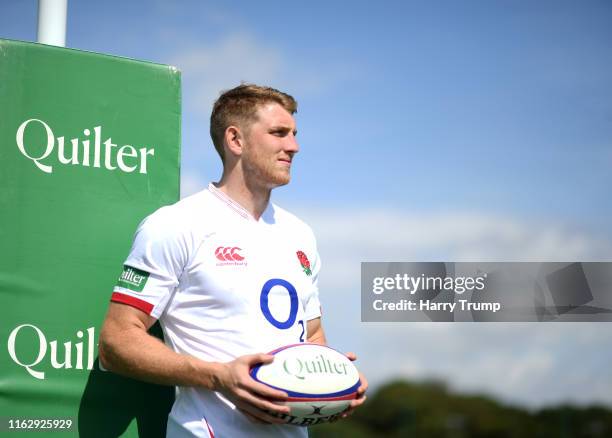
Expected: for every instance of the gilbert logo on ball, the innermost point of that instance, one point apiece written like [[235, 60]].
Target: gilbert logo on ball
[[320, 382]]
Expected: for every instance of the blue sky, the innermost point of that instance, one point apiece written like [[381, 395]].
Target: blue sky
[[430, 130]]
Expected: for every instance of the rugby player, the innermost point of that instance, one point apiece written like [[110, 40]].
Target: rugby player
[[229, 275]]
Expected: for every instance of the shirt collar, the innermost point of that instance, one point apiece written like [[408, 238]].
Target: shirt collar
[[230, 202]]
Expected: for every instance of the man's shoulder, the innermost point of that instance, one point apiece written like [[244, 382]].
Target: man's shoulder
[[289, 220], [193, 203], [180, 217]]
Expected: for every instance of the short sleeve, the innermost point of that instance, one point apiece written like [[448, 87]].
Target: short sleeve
[[312, 309], [154, 265]]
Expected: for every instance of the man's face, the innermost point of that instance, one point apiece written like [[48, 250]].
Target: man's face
[[269, 147]]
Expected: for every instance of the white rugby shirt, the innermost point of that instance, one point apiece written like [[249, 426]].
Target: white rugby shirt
[[222, 285]]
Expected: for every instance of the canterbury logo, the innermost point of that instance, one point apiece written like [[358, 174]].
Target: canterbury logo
[[229, 254]]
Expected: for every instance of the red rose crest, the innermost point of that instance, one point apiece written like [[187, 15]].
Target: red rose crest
[[304, 262]]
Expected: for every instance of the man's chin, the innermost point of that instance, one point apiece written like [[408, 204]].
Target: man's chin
[[279, 181]]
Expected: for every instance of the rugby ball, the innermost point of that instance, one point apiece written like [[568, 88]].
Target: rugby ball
[[320, 382]]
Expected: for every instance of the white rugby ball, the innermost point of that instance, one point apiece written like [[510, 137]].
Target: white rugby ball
[[320, 382]]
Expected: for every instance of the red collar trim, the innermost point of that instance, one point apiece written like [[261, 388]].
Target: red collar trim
[[230, 202]]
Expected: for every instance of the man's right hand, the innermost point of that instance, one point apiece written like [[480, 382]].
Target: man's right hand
[[251, 397], [126, 348]]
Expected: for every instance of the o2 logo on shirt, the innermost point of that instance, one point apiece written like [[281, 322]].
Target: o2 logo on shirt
[[293, 310]]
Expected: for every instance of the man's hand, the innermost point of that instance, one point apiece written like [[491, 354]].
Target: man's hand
[[127, 348], [251, 397], [361, 397]]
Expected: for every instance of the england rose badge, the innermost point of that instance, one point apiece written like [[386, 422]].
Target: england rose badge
[[304, 262]]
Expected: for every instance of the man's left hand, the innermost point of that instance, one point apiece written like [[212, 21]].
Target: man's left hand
[[361, 397]]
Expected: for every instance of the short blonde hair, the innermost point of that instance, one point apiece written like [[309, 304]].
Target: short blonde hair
[[239, 105]]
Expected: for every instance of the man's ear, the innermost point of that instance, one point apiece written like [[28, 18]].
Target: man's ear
[[234, 140]]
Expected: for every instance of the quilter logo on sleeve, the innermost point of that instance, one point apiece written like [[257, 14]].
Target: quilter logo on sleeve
[[133, 279]]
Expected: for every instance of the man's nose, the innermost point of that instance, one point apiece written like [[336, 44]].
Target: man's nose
[[292, 144]]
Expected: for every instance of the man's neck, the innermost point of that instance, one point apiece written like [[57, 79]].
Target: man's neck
[[253, 199]]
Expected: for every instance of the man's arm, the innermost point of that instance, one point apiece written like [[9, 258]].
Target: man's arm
[[126, 348], [316, 335]]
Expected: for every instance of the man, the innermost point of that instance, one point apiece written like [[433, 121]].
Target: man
[[229, 275]]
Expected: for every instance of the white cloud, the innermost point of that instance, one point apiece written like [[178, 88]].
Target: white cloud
[[210, 68], [455, 235], [348, 237], [527, 363], [531, 364]]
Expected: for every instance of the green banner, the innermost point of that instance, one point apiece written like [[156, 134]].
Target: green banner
[[89, 145]]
